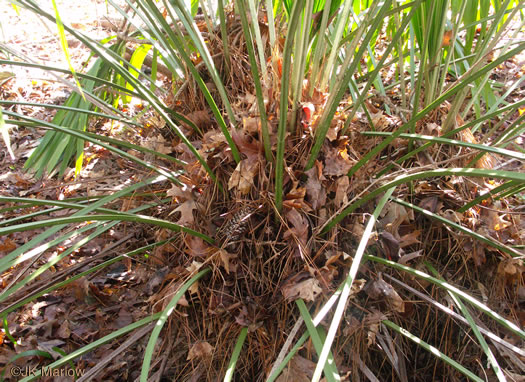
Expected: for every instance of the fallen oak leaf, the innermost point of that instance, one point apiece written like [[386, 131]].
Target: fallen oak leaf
[[184, 195], [186, 212], [307, 289], [242, 176]]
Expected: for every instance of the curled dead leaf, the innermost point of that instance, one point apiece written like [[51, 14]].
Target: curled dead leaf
[[200, 350], [298, 232], [390, 245], [379, 289], [315, 192], [337, 162], [341, 191]]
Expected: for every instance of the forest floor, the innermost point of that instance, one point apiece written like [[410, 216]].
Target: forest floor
[[115, 297]]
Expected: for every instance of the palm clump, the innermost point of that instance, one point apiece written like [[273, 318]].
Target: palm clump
[[314, 177]]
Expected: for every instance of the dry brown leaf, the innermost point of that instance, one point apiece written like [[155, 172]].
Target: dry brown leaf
[[380, 289], [405, 259], [410, 238], [201, 118], [184, 195], [333, 131], [336, 162], [186, 212], [295, 198], [64, 331], [373, 320], [315, 192], [307, 289], [299, 370], [494, 220], [158, 144], [7, 245], [212, 139], [193, 268], [341, 191], [394, 215], [251, 124], [298, 231], [430, 203], [196, 246], [201, 349], [242, 177], [246, 144], [390, 245], [225, 257]]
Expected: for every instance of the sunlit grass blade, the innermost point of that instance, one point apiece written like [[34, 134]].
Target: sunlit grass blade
[[446, 286], [283, 105], [454, 142], [93, 345], [100, 82], [136, 61], [330, 368], [462, 83], [347, 285], [340, 25], [257, 82], [114, 60], [64, 45], [235, 355], [35, 294], [175, 52], [87, 137], [256, 33], [31, 248], [433, 350], [488, 353], [30, 202], [224, 35], [99, 229], [379, 65], [4, 131], [163, 316], [457, 316], [113, 141], [301, 42], [197, 39], [510, 108], [271, 22], [320, 48], [347, 71], [51, 70], [104, 217], [323, 311], [71, 109], [489, 241], [490, 194], [481, 173]]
